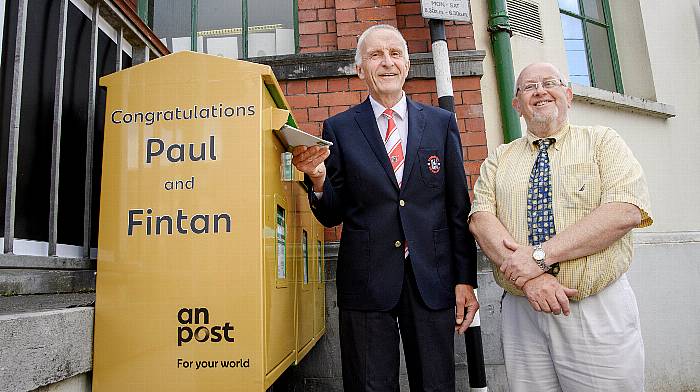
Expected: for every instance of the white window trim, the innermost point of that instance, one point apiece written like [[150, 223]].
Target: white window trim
[[612, 99]]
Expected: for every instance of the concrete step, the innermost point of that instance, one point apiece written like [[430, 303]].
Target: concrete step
[[20, 281], [45, 339]]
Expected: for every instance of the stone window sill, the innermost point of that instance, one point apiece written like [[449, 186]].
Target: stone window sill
[[610, 99]]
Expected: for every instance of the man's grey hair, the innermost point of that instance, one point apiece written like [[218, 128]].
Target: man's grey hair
[[361, 41]]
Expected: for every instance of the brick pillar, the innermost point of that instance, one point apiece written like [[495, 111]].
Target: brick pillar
[[354, 16]]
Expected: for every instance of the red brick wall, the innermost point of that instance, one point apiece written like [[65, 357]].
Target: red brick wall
[[326, 25], [355, 16], [317, 26], [314, 100]]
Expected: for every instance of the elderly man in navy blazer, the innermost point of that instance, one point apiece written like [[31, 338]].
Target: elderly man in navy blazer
[[394, 177]]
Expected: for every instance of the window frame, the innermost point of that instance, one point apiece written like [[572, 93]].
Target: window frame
[[607, 25], [145, 11]]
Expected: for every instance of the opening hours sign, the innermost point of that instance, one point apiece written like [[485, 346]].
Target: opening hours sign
[[446, 10]]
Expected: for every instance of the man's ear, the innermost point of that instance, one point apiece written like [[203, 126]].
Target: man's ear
[[360, 72], [569, 96], [516, 106]]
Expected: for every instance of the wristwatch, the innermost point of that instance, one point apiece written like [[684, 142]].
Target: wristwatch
[[538, 255]]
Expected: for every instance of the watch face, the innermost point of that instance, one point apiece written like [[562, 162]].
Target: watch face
[[538, 254]]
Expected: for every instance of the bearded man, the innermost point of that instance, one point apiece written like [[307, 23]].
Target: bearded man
[[553, 211]]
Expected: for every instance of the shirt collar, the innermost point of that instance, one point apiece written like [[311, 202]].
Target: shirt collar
[[558, 135], [399, 109]]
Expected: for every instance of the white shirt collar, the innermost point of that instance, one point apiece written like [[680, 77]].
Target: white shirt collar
[[399, 109]]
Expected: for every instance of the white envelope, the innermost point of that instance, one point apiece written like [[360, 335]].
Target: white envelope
[[293, 137]]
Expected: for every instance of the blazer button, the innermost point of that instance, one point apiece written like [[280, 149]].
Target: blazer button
[[397, 244], [402, 203]]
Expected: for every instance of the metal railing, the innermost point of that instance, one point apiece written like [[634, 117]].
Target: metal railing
[[102, 13]]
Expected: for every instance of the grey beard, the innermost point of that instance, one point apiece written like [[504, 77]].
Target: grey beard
[[543, 119]]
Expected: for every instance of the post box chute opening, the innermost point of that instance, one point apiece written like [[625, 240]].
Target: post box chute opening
[[144, 222]]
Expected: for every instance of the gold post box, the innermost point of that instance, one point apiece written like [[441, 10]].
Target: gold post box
[[209, 272]]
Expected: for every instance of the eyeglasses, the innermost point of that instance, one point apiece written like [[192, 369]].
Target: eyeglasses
[[546, 84]]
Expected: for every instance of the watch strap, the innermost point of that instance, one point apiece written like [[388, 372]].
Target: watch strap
[[553, 269], [542, 265]]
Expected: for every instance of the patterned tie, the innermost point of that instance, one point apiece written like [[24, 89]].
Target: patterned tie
[[394, 148], [392, 143], [540, 216]]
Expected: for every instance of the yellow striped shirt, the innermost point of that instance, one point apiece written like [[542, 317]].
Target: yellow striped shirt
[[590, 166]]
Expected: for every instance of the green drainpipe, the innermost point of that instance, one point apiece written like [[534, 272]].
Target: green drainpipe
[[503, 58], [194, 10]]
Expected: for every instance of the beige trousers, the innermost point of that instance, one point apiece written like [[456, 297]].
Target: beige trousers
[[598, 347]]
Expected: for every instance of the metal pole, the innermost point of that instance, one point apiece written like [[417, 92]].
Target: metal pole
[[441, 61], [57, 122], [90, 133], [120, 49], [15, 114], [443, 80], [475, 354], [244, 29]]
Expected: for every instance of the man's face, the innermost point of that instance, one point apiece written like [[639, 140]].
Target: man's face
[[542, 107], [384, 67]]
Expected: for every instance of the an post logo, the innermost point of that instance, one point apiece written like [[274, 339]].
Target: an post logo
[[195, 326]]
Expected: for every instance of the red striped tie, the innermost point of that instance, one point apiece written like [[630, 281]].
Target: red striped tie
[[392, 143]]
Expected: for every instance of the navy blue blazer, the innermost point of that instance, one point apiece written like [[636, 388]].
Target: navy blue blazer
[[429, 210]]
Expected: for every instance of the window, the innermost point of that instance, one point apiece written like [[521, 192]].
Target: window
[[230, 28], [590, 44]]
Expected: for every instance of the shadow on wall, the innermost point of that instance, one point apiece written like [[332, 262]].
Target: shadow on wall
[[696, 8]]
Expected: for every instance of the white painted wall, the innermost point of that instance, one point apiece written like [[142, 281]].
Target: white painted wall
[[664, 275], [668, 152]]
